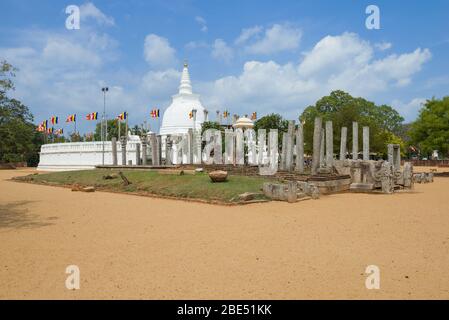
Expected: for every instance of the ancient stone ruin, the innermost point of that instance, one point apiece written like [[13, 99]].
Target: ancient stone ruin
[[249, 153]]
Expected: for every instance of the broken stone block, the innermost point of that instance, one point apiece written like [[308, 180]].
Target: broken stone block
[[88, 189], [247, 196], [218, 176]]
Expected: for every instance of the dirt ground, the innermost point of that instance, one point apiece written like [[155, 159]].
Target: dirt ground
[[135, 247]]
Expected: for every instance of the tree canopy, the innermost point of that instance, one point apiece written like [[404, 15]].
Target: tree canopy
[[19, 139], [342, 109], [431, 130]]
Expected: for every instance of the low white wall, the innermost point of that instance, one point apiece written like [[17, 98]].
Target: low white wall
[[82, 155]]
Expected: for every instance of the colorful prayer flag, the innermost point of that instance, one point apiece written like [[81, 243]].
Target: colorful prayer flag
[[122, 116], [71, 118], [54, 120], [154, 113], [92, 116], [225, 114]]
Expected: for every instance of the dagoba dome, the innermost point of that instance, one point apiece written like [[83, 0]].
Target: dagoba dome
[[176, 118], [244, 123]]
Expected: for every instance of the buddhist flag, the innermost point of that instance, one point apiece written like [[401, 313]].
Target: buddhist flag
[[71, 118], [60, 131], [44, 124], [225, 114], [154, 113], [190, 115], [54, 120], [254, 116], [50, 130], [122, 116], [40, 128], [92, 116]]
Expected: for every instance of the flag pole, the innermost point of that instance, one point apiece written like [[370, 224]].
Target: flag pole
[[126, 123], [118, 120]]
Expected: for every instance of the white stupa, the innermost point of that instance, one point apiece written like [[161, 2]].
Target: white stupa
[[176, 118]]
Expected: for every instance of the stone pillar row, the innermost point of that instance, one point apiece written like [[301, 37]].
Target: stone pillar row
[[322, 156]]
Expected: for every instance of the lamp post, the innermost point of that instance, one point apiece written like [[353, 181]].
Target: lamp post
[[103, 124]]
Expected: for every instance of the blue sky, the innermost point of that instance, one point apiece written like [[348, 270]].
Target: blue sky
[[244, 56]]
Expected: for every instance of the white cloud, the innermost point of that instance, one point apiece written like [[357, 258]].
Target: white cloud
[[90, 11], [158, 52], [247, 34], [202, 22], [343, 62], [221, 51], [279, 37], [161, 84], [192, 45], [60, 51], [410, 109], [382, 46]]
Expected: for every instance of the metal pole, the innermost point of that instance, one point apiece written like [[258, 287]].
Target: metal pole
[[103, 124], [119, 121]]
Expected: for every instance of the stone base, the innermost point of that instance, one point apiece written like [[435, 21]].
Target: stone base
[[361, 187], [330, 184]]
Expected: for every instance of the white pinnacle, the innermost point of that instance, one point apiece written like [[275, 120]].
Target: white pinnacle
[[185, 86]]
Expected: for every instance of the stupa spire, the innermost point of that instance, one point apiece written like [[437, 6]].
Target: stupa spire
[[185, 87]]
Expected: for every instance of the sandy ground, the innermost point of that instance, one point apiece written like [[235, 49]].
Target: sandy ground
[[137, 247]]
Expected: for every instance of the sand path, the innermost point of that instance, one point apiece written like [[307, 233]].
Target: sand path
[[137, 247]]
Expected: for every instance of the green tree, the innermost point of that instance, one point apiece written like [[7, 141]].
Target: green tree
[[271, 121], [431, 130], [112, 128], [211, 125], [342, 109], [75, 137], [19, 139]]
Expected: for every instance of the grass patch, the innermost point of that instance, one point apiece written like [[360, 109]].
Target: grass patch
[[197, 186]]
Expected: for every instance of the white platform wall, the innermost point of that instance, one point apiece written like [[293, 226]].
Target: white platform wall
[[82, 155]]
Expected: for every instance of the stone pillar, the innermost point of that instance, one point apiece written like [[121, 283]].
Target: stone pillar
[[390, 151], [218, 156], [300, 149], [250, 137], [273, 153], [261, 146], [365, 143], [316, 145], [190, 146], [158, 149], [397, 158], [292, 191], [144, 151], [229, 157], [343, 139], [289, 145], [137, 154], [322, 144], [329, 145], [283, 151], [123, 145], [355, 140], [153, 144], [114, 151], [168, 151]]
